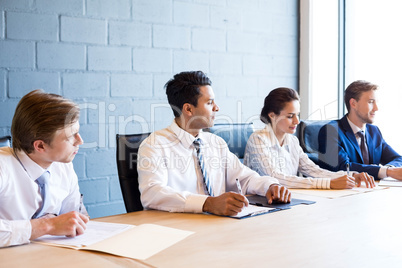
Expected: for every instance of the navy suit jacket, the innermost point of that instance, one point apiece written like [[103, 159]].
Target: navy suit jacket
[[338, 146]]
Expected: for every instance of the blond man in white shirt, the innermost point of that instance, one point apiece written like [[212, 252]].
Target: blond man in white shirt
[[45, 141], [170, 175]]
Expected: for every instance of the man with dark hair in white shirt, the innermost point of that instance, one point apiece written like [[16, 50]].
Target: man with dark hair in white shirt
[[39, 191], [183, 169]]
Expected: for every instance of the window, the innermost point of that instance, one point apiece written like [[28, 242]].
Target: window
[[319, 59], [373, 53]]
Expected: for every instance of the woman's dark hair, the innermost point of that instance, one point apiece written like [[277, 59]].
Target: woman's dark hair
[[276, 102], [185, 88]]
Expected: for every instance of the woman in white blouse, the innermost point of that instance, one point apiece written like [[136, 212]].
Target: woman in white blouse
[[274, 151]]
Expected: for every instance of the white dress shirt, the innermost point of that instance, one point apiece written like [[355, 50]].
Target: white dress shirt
[[265, 155], [170, 178], [382, 173], [20, 197]]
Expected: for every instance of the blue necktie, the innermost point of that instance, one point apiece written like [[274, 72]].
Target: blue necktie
[[207, 181], [42, 181]]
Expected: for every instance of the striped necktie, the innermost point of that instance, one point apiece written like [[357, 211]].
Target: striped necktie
[[42, 181], [208, 183], [363, 147]]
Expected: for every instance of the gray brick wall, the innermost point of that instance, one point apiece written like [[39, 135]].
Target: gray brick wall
[[114, 57]]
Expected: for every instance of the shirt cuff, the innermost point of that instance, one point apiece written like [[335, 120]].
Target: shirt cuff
[[382, 173], [194, 203], [322, 183], [263, 190], [20, 232]]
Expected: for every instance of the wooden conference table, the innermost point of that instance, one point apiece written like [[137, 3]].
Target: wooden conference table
[[362, 230]]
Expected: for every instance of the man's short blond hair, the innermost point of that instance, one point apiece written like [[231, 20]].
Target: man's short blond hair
[[38, 116]]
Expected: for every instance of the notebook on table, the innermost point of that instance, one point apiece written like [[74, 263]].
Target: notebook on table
[[262, 201]]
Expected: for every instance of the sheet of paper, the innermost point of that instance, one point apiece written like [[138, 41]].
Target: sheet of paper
[[137, 242], [252, 210], [335, 193], [390, 182], [95, 232], [142, 241]]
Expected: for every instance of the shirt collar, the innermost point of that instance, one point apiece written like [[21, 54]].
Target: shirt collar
[[185, 138], [272, 137], [32, 168], [355, 128]]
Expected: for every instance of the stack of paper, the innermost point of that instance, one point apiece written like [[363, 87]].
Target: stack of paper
[[137, 242], [251, 211], [390, 182]]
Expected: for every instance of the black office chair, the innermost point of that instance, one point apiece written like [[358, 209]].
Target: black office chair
[[235, 134], [5, 141], [308, 137], [126, 156]]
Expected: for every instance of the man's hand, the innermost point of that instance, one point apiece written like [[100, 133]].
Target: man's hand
[[364, 177], [69, 224], [344, 182], [278, 193], [395, 172], [227, 204]]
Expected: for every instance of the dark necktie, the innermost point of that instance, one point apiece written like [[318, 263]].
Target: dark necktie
[[42, 181], [207, 181], [363, 147]]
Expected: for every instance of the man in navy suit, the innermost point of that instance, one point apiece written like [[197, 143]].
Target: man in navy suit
[[355, 141]]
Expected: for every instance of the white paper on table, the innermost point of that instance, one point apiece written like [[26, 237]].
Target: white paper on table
[[252, 210], [137, 242], [335, 193], [390, 182]]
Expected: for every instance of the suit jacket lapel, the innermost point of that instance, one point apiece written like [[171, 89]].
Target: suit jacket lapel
[[351, 136]]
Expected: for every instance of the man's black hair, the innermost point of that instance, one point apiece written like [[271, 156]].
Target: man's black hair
[[185, 88]]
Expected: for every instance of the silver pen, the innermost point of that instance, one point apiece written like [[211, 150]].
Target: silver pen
[[347, 169], [238, 186], [81, 203]]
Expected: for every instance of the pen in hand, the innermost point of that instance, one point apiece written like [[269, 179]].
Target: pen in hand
[[347, 169], [240, 191], [81, 209], [81, 203], [238, 186]]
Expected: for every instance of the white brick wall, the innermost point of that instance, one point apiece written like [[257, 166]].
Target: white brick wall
[[83, 30], [1, 24], [152, 60], [114, 58], [71, 7], [190, 14], [109, 58], [224, 63], [117, 9], [190, 60], [3, 80], [168, 36], [22, 82], [130, 34], [30, 26], [61, 56], [79, 85], [153, 11], [209, 39], [140, 85], [16, 54]]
